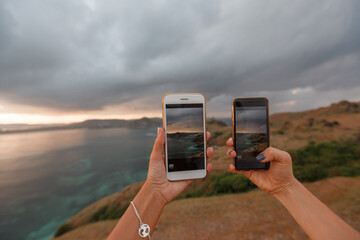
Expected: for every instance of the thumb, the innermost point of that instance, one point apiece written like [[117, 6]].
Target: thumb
[[157, 152], [274, 154]]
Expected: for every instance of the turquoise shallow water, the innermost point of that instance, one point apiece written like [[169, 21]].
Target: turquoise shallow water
[[46, 177]]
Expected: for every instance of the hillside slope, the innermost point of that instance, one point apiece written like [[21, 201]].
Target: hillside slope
[[252, 215], [339, 121]]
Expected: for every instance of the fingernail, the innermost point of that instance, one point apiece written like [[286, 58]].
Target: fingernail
[[158, 131], [260, 157], [229, 152]]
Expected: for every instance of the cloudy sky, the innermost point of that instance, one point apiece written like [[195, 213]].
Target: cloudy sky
[[63, 61], [251, 120], [184, 120]]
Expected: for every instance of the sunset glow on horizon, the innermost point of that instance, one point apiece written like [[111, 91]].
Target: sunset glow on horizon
[[18, 118], [25, 114]]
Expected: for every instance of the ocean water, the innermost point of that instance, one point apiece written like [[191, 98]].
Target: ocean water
[[46, 177], [185, 151], [185, 145]]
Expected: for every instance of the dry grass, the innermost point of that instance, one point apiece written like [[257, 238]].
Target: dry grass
[[340, 122], [98, 231]]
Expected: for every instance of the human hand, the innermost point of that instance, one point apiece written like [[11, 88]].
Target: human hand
[[157, 179], [277, 178]]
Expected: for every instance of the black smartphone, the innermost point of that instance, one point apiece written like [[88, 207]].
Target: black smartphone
[[250, 119]]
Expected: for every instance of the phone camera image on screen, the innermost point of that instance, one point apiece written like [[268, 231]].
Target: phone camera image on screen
[[185, 137], [251, 134]]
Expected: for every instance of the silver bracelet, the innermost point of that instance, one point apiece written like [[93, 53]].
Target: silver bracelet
[[144, 229]]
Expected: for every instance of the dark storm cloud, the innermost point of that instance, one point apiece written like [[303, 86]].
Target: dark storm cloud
[[84, 55]]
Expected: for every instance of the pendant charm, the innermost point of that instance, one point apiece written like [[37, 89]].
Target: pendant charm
[[144, 230]]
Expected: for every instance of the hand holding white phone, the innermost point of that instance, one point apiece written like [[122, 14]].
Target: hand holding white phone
[[184, 120]]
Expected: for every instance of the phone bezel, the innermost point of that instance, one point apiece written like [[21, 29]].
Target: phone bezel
[[184, 98], [256, 101]]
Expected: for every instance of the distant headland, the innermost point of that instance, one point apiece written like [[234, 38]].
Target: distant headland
[[89, 124]]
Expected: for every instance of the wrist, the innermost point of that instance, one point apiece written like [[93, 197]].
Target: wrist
[[148, 204], [153, 193], [287, 189]]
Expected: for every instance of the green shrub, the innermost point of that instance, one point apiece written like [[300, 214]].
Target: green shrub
[[328, 159], [217, 184], [327, 154], [66, 227], [299, 172], [229, 183], [349, 171], [315, 172]]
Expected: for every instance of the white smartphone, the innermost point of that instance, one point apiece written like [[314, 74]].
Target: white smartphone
[[184, 122]]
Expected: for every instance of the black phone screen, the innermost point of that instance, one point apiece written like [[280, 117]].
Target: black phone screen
[[185, 137], [251, 129]]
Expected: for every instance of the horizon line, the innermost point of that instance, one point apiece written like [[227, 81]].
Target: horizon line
[[43, 121]]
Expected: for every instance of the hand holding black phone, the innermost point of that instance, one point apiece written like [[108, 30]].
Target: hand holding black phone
[[250, 118]]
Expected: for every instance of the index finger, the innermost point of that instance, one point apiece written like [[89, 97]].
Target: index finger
[[157, 152], [230, 142]]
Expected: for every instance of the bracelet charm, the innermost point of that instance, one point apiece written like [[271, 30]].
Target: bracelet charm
[[144, 229]]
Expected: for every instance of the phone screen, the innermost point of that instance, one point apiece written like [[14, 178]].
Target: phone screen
[[251, 135], [185, 137]]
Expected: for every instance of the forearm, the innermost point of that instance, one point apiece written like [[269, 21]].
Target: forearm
[[149, 204], [314, 217]]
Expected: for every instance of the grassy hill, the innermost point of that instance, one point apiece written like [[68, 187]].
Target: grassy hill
[[324, 143], [340, 122], [252, 215]]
